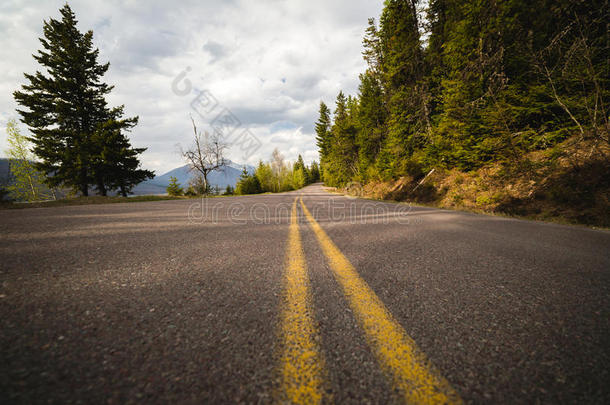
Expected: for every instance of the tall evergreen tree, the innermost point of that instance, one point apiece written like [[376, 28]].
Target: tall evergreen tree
[[373, 50], [247, 183], [67, 113], [300, 164], [403, 70], [116, 164], [436, 27], [323, 131], [343, 154], [265, 177], [314, 172], [371, 122], [489, 81]]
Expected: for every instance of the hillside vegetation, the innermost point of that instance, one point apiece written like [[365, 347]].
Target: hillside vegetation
[[504, 105]]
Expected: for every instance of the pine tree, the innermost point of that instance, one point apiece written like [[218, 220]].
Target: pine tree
[[67, 113], [298, 177], [300, 164], [116, 164], [264, 174], [403, 71], [323, 131], [373, 50], [314, 172], [437, 29], [247, 184], [342, 158], [371, 118], [174, 188], [488, 81]]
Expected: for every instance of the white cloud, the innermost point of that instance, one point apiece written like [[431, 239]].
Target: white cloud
[[270, 63]]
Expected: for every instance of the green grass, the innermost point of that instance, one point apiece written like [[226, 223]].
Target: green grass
[[95, 200]]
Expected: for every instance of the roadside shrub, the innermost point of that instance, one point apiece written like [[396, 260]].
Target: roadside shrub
[[174, 188], [457, 198], [190, 192], [483, 199], [248, 184]]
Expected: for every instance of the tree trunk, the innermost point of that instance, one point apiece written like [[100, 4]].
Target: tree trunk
[[123, 191], [101, 188], [84, 185], [31, 182]]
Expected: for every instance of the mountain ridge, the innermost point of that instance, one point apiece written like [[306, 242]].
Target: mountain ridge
[[229, 175]]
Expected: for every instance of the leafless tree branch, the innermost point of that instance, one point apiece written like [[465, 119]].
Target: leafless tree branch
[[205, 155]]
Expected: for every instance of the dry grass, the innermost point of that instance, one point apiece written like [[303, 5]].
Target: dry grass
[[568, 184]]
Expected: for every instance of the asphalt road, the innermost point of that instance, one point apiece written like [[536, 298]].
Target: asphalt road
[[257, 299]]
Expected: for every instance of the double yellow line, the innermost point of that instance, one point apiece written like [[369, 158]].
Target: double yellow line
[[302, 362]]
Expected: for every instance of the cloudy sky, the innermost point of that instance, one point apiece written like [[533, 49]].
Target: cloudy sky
[[268, 63]]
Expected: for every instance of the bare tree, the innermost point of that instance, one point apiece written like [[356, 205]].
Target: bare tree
[[206, 155], [278, 167]]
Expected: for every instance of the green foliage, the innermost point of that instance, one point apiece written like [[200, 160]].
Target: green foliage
[[300, 166], [278, 176], [323, 131], [247, 184], [314, 172], [190, 191], [79, 140], [298, 178], [174, 188], [94, 200], [3, 189], [371, 118], [340, 164], [229, 190], [198, 185], [26, 184], [116, 165], [492, 81], [265, 177]]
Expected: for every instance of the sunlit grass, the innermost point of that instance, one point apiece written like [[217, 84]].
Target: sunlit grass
[[97, 200]]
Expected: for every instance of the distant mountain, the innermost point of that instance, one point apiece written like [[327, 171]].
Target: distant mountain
[[4, 169], [7, 179], [221, 178], [229, 175]]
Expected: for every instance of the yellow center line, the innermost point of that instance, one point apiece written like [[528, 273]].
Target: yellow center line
[[397, 353], [302, 365]]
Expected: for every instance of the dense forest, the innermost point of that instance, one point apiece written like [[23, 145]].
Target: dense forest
[[460, 87]]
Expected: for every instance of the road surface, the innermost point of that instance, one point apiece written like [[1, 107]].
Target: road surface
[[299, 297]]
